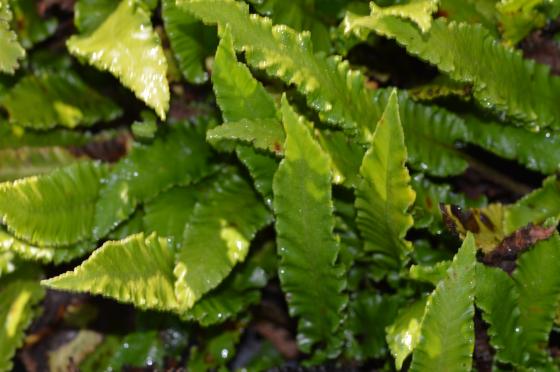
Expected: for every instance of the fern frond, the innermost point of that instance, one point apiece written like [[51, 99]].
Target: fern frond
[[30, 161], [56, 209], [471, 11], [521, 309], [126, 45], [261, 167], [447, 333], [384, 195], [190, 40], [58, 99], [12, 51], [90, 14], [136, 270], [17, 301], [308, 270], [403, 335], [179, 157], [217, 236], [530, 98]]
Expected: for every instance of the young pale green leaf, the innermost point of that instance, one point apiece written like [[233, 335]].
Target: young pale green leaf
[[90, 14], [452, 47], [190, 40], [53, 209], [431, 274], [265, 134], [471, 11], [309, 273], [518, 18], [12, 51], [126, 45], [403, 335], [136, 270], [58, 99], [520, 310], [239, 95], [30, 252], [447, 333], [32, 161], [418, 11], [384, 195], [29, 25], [217, 236], [430, 135], [17, 301], [538, 151], [535, 207], [179, 157]]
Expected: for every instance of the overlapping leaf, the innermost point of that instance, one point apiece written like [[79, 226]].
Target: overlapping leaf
[[58, 99], [521, 309], [29, 25], [447, 333], [126, 45], [452, 47], [180, 156], [17, 301], [384, 195], [90, 14], [309, 273], [191, 41], [53, 209], [29, 161], [137, 270], [217, 237], [12, 51]]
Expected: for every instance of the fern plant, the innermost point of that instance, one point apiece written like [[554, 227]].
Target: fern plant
[[222, 169]]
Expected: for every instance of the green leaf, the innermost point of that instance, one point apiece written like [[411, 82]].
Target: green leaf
[[56, 255], [190, 40], [521, 309], [418, 11], [90, 14], [14, 137], [53, 209], [126, 45], [32, 161], [217, 236], [58, 99], [517, 18], [218, 349], [535, 207], [136, 270], [430, 135], [452, 47], [384, 195], [17, 301], [346, 156], [239, 290], [471, 11], [261, 167], [301, 15], [403, 335], [179, 157], [431, 274], [368, 315], [239, 95], [29, 25], [447, 335], [538, 151], [308, 251], [169, 212], [338, 94], [12, 51], [265, 134]]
